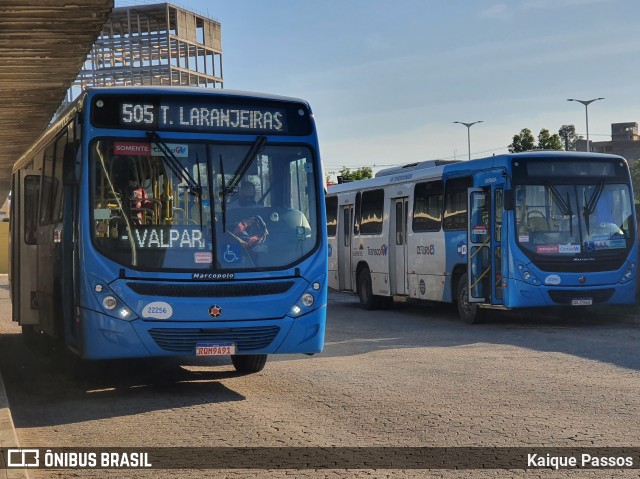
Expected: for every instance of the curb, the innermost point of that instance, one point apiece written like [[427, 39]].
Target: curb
[[8, 437]]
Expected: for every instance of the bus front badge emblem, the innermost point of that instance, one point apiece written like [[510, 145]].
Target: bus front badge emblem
[[215, 311]]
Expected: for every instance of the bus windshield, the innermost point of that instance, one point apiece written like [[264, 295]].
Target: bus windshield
[[203, 206], [564, 220]]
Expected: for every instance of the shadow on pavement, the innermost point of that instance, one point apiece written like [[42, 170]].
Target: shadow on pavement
[[586, 334], [65, 390]]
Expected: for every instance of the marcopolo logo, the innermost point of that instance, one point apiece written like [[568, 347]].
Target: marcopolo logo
[[382, 251]]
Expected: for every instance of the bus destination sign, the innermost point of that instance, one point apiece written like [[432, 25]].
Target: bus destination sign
[[202, 115], [192, 116]]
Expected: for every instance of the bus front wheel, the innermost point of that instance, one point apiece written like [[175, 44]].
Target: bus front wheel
[[249, 363], [470, 313]]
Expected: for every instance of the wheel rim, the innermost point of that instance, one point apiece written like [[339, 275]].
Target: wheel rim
[[465, 306]]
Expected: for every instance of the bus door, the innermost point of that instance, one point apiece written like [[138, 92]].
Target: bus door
[[25, 249], [344, 247], [479, 235], [484, 252], [398, 246]]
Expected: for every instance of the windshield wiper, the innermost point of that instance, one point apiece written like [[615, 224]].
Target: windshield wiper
[[590, 205], [565, 206], [255, 148], [223, 198], [174, 165]]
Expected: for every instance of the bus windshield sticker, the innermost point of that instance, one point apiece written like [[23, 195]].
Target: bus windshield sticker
[[203, 257], [548, 249], [569, 248], [232, 253], [523, 238], [123, 148], [179, 151]]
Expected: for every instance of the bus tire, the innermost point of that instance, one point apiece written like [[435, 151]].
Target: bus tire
[[365, 291], [468, 312], [249, 363]]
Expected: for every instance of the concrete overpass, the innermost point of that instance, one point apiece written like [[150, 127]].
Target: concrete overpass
[[43, 44]]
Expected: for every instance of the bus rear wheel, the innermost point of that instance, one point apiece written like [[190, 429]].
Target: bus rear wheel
[[468, 312], [249, 363], [365, 291]]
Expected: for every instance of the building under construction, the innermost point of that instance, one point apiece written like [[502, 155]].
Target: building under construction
[[159, 44]]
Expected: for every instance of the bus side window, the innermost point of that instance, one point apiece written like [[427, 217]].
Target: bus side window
[[356, 216], [455, 203], [332, 215], [47, 186]]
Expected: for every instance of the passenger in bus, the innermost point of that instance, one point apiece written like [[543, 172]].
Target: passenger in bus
[[246, 196]]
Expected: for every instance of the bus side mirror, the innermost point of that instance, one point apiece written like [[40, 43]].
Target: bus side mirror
[[508, 200], [69, 164]]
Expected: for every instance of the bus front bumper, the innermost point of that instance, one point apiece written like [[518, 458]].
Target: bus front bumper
[[104, 337]]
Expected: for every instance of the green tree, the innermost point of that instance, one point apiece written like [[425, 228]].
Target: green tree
[[357, 174], [547, 141], [523, 141], [568, 136]]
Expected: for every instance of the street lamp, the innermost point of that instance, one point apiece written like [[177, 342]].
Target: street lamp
[[586, 103], [468, 125]]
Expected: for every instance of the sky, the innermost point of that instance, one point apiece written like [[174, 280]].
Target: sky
[[387, 79]]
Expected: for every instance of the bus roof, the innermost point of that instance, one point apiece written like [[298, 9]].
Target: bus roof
[[438, 168], [191, 90]]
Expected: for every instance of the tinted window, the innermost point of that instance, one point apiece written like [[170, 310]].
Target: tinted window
[[455, 204], [48, 186], [356, 219], [332, 215], [427, 206], [57, 177], [371, 212]]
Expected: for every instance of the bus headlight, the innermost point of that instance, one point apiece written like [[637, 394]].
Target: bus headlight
[[628, 275], [308, 299], [111, 304]]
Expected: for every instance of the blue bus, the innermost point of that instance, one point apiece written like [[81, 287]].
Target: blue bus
[[524, 230], [150, 221]]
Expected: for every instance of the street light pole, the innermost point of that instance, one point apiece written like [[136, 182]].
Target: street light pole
[[586, 103], [468, 125]]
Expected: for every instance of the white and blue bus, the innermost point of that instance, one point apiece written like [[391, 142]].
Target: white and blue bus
[[513, 231], [152, 221]]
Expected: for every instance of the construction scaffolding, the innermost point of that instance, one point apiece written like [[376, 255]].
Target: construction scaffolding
[[159, 44]]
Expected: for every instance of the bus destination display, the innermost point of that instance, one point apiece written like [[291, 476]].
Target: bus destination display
[[207, 115]]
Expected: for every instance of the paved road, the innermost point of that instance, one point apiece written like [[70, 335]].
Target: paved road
[[412, 376]]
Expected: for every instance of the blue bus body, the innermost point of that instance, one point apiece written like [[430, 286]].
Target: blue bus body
[[511, 231], [154, 251]]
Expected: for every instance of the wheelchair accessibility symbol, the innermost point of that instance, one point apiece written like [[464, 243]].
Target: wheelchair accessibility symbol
[[232, 253]]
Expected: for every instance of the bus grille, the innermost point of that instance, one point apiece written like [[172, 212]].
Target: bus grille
[[210, 290], [184, 340], [565, 296]]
